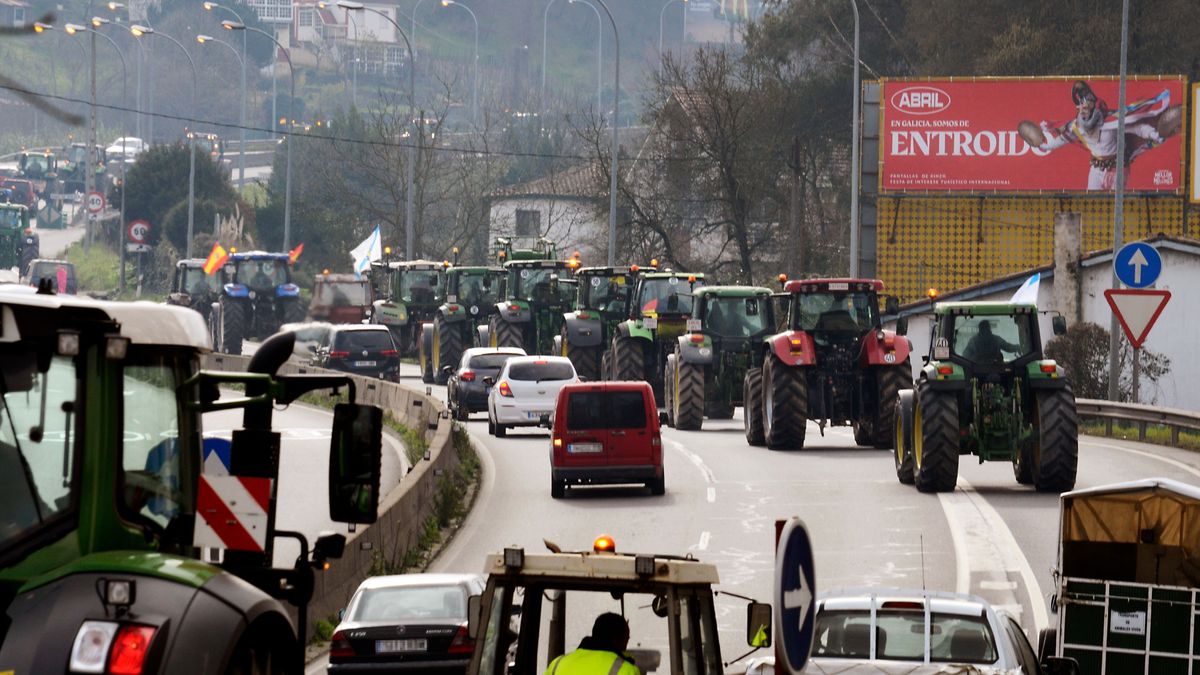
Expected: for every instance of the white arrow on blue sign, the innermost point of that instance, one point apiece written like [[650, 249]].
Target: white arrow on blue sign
[[795, 589], [1137, 264]]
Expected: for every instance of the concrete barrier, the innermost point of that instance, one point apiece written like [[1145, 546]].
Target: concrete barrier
[[403, 511]]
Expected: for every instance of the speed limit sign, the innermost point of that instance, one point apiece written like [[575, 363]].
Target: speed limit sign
[[95, 202], [138, 229]]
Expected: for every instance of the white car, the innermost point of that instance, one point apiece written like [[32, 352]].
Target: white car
[[526, 390], [127, 146]]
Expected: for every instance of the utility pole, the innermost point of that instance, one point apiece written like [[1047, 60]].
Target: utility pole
[[89, 174]]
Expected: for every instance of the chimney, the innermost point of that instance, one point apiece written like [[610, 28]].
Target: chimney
[[1068, 246]]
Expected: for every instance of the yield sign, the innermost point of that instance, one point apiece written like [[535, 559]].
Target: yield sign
[[1137, 310]]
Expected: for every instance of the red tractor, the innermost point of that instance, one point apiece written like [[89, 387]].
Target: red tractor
[[833, 364]]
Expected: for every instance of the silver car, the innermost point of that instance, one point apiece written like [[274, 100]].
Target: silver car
[[526, 390]]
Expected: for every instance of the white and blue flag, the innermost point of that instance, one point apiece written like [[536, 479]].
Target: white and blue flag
[[370, 250], [1028, 292]]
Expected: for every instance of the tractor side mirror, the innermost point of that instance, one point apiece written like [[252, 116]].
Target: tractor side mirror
[[354, 458], [891, 305], [902, 326], [758, 624], [1059, 324], [329, 546], [446, 369], [474, 604], [489, 380]]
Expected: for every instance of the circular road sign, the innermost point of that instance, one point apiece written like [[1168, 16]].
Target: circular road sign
[[138, 229], [1137, 264], [95, 202], [795, 592]]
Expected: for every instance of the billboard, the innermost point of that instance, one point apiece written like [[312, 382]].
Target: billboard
[[1029, 135], [1195, 152]]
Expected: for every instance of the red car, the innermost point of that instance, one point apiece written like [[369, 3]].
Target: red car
[[606, 433], [22, 192]]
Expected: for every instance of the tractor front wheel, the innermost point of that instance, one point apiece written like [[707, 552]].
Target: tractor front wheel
[[447, 348], [902, 436], [1056, 459], [233, 324], [784, 405], [687, 395], [889, 381], [935, 440], [752, 414]]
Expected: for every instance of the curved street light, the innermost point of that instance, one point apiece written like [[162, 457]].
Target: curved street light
[[682, 39], [205, 39], [475, 85], [210, 6], [616, 120], [599, 54]]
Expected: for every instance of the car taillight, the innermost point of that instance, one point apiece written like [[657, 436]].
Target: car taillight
[[339, 355], [467, 376], [462, 642], [796, 343], [656, 441], [339, 646], [557, 443], [129, 649], [505, 390], [390, 352]]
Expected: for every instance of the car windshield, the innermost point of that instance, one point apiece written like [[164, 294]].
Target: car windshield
[[364, 339], [37, 477], [606, 410], [420, 286], [61, 275], [472, 291], [415, 603], [606, 294], [667, 295], [900, 636], [541, 370], [262, 274], [992, 339], [533, 284], [835, 312], [10, 218], [342, 294], [736, 317], [196, 282], [489, 361]]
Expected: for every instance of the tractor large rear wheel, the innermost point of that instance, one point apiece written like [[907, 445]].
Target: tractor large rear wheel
[[628, 362], [1056, 459], [687, 395], [902, 436], [606, 365], [889, 381], [425, 353], [503, 333], [585, 359], [784, 405], [233, 324], [447, 348], [935, 440], [293, 311], [752, 414]]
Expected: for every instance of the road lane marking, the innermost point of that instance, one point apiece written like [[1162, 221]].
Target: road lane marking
[[695, 459], [1150, 455], [703, 543], [712, 495], [984, 546]]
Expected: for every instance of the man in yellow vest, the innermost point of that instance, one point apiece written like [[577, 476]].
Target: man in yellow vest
[[601, 653]]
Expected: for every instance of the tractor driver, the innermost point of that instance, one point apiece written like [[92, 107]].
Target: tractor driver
[[986, 346], [601, 653], [262, 278]]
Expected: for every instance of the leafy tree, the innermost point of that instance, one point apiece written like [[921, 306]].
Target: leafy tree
[[158, 183], [1083, 353]]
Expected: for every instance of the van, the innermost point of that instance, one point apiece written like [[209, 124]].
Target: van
[[605, 433]]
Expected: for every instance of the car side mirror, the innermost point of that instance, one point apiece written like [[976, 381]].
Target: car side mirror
[[489, 380], [446, 369], [474, 603], [902, 326], [1059, 324], [354, 463], [758, 624], [341, 614], [891, 305]]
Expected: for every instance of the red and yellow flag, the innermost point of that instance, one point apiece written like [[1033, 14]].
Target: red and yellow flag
[[216, 259], [295, 253]]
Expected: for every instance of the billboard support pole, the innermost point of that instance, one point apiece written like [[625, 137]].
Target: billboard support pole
[[1114, 335], [854, 160]]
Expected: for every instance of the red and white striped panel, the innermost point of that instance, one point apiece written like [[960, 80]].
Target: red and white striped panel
[[232, 512]]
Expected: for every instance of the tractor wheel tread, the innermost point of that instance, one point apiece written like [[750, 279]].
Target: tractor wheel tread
[[785, 405], [449, 348], [233, 325], [752, 417], [688, 397], [890, 381], [627, 360], [936, 464], [504, 333], [1058, 436]]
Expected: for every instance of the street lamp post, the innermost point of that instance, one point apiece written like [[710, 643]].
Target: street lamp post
[[616, 120], [475, 85], [242, 152], [139, 31], [204, 39], [661, 12], [137, 95], [414, 21], [409, 239], [599, 54], [854, 158], [287, 184]]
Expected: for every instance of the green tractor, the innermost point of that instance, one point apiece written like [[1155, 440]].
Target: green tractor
[[987, 390], [538, 293], [74, 166], [704, 375], [659, 309], [416, 289], [193, 287], [40, 167], [602, 302], [471, 297], [19, 243]]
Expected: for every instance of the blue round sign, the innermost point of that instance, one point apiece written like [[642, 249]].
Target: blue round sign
[[795, 595], [1137, 264]]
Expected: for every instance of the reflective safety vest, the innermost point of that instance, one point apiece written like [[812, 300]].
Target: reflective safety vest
[[591, 662]]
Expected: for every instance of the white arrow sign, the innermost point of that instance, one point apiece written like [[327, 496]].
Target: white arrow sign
[[1138, 261], [799, 598]]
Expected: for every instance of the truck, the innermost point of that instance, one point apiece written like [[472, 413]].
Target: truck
[[834, 364], [19, 242], [705, 375], [1127, 580], [471, 296], [192, 287], [986, 389], [601, 302], [537, 605], [257, 297], [110, 496], [415, 289], [538, 293], [340, 298]]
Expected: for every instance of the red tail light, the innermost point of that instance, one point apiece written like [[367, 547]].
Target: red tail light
[[339, 355], [462, 643], [697, 338], [514, 308], [945, 370], [1049, 367], [390, 352], [505, 390], [467, 376], [796, 343], [129, 649], [656, 441], [339, 646]]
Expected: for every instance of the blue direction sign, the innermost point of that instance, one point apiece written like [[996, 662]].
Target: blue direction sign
[[1137, 264], [795, 590]]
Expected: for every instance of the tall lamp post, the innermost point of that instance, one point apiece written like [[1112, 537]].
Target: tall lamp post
[[210, 6], [854, 158], [139, 31], [137, 96], [682, 38], [616, 121], [354, 5], [205, 39], [414, 20], [475, 85], [599, 54], [287, 185]]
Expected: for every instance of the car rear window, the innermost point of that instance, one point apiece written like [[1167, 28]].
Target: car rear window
[[362, 339], [606, 410], [485, 361], [541, 370], [411, 602], [900, 636]]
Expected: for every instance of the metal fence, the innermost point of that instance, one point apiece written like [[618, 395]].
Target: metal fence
[[1141, 415]]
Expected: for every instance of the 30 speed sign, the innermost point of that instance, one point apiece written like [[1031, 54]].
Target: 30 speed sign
[[95, 202]]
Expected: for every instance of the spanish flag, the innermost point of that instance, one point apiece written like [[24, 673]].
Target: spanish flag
[[216, 259], [294, 254]]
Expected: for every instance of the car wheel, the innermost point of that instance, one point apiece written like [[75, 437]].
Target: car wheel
[[491, 426], [558, 488], [658, 486], [501, 430]]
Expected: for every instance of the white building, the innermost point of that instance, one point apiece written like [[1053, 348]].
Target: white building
[[567, 207]]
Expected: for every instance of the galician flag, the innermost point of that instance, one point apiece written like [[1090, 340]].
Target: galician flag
[[216, 258], [371, 249], [1028, 292]]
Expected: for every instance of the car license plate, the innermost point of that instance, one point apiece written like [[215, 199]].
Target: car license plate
[[584, 447], [536, 415], [694, 325], [386, 646], [364, 364]]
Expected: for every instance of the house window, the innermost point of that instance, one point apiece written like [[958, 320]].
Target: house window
[[529, 223], [18, 17], [306, 18]]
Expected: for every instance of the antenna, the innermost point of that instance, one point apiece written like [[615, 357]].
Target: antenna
[[923, 561]]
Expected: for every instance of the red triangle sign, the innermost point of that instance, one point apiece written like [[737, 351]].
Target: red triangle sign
[[1137, 310]]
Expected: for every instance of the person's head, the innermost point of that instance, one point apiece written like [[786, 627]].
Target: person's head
[[985, 327], [611, 630], [1086, 103]]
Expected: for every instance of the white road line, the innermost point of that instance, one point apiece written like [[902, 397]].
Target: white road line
[[712, 495], [1150, 455], [703, 544], [695, 459]]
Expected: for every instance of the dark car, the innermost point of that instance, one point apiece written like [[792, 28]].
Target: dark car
[[466, 392], [366, 350], [60, 273], [406, 623]]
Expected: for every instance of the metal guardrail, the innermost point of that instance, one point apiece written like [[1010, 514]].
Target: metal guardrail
[[1140, 414]]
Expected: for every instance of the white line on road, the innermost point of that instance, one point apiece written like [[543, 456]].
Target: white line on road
[[712, 495], [1150, 455], [703, 544], [695, 459]]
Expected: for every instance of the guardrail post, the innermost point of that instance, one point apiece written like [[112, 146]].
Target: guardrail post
[[1175, 436], [1108, 426], [1141, 431]]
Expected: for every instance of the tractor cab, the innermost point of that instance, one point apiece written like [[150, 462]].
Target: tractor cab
[[192, 287], [834, 310], [19, 243]]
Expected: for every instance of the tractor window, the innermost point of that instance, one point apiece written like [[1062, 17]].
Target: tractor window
[[420, 286], [533, 285], [154, 484], [668, 295], [196, 282], [992, 339], [342, 294], [36, 476], [606, 294], [835, 312], [10, 218], [473, 293], [736, 317], [262, 274]]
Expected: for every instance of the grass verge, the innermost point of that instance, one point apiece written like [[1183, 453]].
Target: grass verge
[[1155, 433]]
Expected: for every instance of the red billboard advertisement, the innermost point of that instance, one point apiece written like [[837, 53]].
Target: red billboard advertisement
[[1029, 135]]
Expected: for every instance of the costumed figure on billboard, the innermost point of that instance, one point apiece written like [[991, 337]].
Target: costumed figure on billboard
[[1148, 123]]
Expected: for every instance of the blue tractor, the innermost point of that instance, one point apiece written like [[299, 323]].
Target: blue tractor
[[258, 297]]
